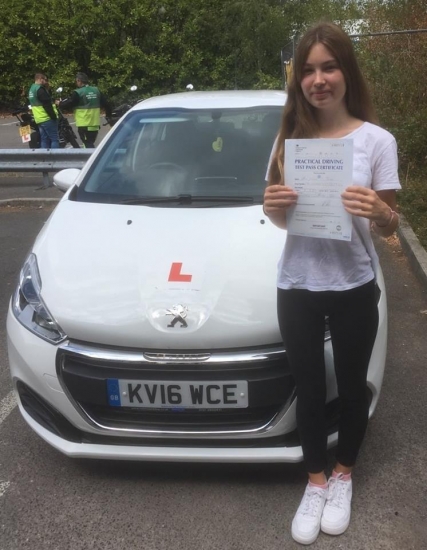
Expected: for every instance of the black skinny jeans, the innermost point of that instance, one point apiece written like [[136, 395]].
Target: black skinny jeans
[[353, 319]]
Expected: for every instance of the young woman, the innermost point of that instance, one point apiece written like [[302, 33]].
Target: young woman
[[317, 277]]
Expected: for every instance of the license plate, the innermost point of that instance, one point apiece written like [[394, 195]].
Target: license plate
[[24, 130], [180, 395]]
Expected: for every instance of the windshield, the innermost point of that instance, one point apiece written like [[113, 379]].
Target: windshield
[[161, 154]]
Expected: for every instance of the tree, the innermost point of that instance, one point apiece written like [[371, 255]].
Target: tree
[[395, 65], [160, 46]]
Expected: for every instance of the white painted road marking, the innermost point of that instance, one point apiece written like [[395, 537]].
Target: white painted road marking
[[7, 404], [3, 487]]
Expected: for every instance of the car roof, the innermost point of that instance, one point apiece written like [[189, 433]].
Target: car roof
[[226, 99]]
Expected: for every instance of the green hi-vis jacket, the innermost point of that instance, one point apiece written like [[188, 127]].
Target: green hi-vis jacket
[[87, 112], [39, 112]]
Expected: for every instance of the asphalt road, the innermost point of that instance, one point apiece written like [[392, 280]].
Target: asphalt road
[[48, 501]]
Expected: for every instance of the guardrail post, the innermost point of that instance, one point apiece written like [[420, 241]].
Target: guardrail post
[[46, 182]]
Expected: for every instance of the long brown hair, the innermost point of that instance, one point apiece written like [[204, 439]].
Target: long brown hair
[[298, 119]]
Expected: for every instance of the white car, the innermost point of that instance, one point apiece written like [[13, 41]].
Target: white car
[[144, 323]]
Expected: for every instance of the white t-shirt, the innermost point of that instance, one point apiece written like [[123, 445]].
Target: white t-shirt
[[327, 264]]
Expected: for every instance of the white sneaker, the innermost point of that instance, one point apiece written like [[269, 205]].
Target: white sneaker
[[337, 510], [306, 523]]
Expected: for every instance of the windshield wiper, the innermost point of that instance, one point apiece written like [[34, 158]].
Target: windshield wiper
[[188, 199]]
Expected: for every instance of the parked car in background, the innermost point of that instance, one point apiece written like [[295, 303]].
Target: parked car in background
[[144, 322]]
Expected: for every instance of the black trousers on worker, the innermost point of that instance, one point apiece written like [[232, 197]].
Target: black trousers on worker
[[353, 321], [88, 137]]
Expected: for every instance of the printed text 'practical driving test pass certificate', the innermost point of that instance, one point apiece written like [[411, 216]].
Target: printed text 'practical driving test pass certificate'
[[319, 170]]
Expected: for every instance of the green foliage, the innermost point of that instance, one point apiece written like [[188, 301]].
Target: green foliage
[[395, 66], [267, 82], [160, 46]]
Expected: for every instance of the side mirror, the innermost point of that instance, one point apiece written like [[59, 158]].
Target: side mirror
[[65, 179]]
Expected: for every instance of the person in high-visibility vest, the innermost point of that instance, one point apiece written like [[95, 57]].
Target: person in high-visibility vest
[[44, 112], [86, 101]]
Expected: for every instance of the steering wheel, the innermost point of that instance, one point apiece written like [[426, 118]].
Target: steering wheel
[[167, 165]]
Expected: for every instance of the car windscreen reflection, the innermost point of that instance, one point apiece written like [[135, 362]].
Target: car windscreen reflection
[[160, 154]]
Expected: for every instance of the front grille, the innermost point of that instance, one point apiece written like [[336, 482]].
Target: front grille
[[84, 371], [187, 420], [48, 417]]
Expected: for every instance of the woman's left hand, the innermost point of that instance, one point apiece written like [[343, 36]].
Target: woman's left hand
[[365, 202]]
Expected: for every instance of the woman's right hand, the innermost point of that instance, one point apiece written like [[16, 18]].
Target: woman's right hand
[[278, 198]]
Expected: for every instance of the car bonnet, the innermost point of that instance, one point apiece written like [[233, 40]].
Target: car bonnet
[[161, 277]]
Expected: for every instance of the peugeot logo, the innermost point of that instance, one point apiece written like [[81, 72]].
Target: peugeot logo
[[179, 313]]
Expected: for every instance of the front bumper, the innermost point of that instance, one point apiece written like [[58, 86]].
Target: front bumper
[[170, 454], [56, 415], [35, 367]]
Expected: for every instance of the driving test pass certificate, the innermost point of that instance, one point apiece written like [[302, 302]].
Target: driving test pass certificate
[[319, 170]]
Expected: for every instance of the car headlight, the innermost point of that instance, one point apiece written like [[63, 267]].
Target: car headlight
[[28, 305]]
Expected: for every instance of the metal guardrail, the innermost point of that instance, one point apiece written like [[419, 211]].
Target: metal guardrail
[[42, 160]]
